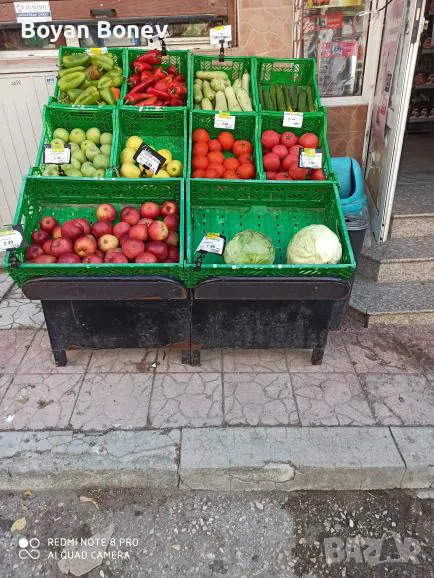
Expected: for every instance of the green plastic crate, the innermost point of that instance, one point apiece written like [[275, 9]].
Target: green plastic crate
[[70, 198], [275, 209], [298, 71], [312, 122], [64, 50], [234, 66], [246, 125], [56, 116], [179, 58], [160, 129]]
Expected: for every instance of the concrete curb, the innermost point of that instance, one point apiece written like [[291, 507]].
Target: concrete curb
[[236, 458]]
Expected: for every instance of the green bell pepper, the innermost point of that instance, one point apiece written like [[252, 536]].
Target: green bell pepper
[[89, 96], [74, 93], [71, 81], [108, 96], [67, 71], [88, 83], [104, 61], [73, 60]]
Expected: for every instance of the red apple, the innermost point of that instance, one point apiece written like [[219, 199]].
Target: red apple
[[110, 251], [39, 237], [69, 258], [57, 232], [172, 239], [60, 246], [106, 212], [123, 239], [45, 260], [146, 258], [158, 231], [85, 246], [99, 253], [145, 221], [172, 222], [150, 210], [72, 230], [116, 258], [132, 248], [47, 247], [169, 208], [47, 224], [130, 215], [101, 228], [85, 225], [34, 251], [139, 232], [173, 254], [159, 249], [107, 242], [120, 229], [92, 259]]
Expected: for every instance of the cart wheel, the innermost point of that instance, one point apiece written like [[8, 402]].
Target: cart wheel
[[186, 356], [60, 357], [195, 357], [317, 355]]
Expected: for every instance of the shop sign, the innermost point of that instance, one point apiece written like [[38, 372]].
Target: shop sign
[[33, 11]]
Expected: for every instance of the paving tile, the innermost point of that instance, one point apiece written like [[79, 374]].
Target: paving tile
[[259, 399], [13, 346], [123, 361], [182, 400], [39, 358], [336, 358], [20, 314], [4, 384], [419, 340], [169, 361], [5, 283], [379, 351], [39, 401], [254, 360], [16, 293], [400, 399], [331, 399], [112, 400]]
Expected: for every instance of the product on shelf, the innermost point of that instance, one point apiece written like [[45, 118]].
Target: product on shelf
[[130, 168], [212, 90], [290, 97]]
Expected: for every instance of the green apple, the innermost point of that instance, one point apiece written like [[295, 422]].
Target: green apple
[[127, 155], [57, 141], [100, 161], [91, 153], [100, 173], [74, 173], [174, 168], [61, 133], [75, 163], [94, 134], [74, 147], [88, 169], [51, 171], [87, 143], [79, 155], [77, 135], [106, 138], [106, 150]]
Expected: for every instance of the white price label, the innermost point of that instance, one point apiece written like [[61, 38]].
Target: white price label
[[33, 12], [154, 42], [57, 155], [293, 119], [149, 158], [97, 50], [224, 121], [10, 238], [310, 159], [212, 243], [219, 33]]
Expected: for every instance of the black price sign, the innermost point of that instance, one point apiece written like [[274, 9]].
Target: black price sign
[[57, 154], [149, 158]]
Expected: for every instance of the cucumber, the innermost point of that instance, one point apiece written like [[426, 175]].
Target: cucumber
[[287, 95], [273, 97], [294, 96], [310, 103], [280, 99], [261, 95], [302, 102], [267, 100]]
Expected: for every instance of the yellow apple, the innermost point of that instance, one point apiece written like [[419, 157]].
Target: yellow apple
[[161, 175], [166, 154], [175, 168], [130, 171], [127, 155], [134, 143]]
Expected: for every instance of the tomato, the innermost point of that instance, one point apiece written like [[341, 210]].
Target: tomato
[[242, 147], [216, 157], [226, 139], [218, 168], [282, 177], [200, 163], [211, 174], [246, 171], [288, 139], [200, 149], [231, 164], [317, 175], [309, 140], [215, 145], [271, 175], [198, 174], [296, 173], [200, 134], [271, 162], [270, 138], [230, 175], [245, 159]]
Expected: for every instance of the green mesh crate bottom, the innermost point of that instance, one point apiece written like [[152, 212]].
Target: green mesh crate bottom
[[279, 223]]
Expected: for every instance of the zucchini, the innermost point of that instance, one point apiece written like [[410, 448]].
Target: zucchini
[[236, 84], [207, 91], [206, 104], [197, 94], [210, 74], [217, 84], [245, 82], [232, 100], [280, 99], [244, 100], [220, 101]]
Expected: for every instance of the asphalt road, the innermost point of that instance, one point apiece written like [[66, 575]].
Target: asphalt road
[[137, 534]]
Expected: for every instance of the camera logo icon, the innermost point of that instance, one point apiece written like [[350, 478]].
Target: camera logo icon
[[29, 548]]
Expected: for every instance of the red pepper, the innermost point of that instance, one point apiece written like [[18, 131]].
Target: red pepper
[[145, 74], [137, 97], [151, 101], [116, 92], [160, 103], [142, 66], [180, 78], [177, 90], [172, 70], [175, 102], [142, 86], [159, 73], [163, 84], [150, 57], [162, 95], [134, 79]]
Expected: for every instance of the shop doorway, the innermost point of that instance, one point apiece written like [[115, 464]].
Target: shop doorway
[[403, 24]]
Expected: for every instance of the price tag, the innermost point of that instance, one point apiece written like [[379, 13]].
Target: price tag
[[97, 50], [293, 119], [149, 158], [310, 159], [11, 237], [57, 154], [154, 42], [219, 33], [212, 243], [224, 120]]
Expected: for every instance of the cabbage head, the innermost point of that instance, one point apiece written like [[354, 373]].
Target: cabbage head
[[314, 244], [249, 248]]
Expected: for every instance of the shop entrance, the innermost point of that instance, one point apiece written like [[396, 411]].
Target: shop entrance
[[389, 135]]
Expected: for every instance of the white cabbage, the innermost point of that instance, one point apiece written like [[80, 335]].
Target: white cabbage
[[314, 244]]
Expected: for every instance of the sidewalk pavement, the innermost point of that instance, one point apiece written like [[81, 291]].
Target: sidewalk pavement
[[371, 403]]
